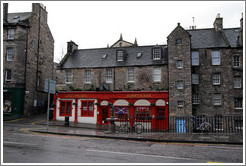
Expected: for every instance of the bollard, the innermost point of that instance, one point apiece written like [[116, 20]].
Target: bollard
[[67, 121]]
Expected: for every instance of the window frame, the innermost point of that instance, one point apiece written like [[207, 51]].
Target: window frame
[[179, 41], [216, 58], [179, 83], [87, 112], [237, 82], [180, 103], [8, 73], [109, 75], [156, 54], [68, 78], [8, 54], [238, 103], [236, 60], [87, 76], [195, 79], [130, 74], [157, 74], [179, 64], [11, 34], [216, 80], [120, 55], [126, 110], [195, 98], [195, 61], [66, 108], [216, 98], [142, 113]]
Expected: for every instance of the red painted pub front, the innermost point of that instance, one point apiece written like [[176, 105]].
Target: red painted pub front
[[94, 107]]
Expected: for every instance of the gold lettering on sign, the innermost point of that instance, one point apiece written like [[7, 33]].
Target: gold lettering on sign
[[76, 96], [138, 96]]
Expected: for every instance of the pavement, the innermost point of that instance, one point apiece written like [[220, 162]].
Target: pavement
[[100, 131]]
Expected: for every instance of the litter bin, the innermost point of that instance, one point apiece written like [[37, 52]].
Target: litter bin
[[67, 121], [51, 113]]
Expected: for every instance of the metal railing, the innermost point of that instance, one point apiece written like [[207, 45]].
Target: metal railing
[[187, 124]]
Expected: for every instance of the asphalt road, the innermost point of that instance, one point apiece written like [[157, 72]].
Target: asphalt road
[[21, 146]]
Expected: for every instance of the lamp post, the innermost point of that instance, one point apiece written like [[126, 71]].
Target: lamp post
[[112, 119]]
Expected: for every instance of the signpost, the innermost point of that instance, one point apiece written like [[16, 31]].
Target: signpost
[[50, 88]]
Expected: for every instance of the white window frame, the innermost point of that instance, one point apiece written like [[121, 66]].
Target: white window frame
[[8, 73], [236, 61], [195, 79], [195, 98], [120, 55], [179, 64], [68, 76], [180, 103], [237, 81], [238, 103], [11, 34], [216, 79], [156, 53], [215, 57], [157, 74], [217, 99], [195, 58], [130, 74], [87, 76], [180, 84], [10, 54], [109, 75]]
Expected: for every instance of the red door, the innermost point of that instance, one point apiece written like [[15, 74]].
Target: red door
[[161, 119], [105, 115]]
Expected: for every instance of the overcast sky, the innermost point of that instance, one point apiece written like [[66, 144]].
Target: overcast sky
[[96, 24]]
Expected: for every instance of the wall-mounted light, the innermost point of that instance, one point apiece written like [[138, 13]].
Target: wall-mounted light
[[27, 92]]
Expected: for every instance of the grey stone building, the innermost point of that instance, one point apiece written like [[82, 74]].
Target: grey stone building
[[28, 51], [202, 69]]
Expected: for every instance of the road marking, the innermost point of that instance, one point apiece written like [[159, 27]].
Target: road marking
[[212, 162], [137, 154], [220, 147], [15, 120], [33, 123], [17, 143]]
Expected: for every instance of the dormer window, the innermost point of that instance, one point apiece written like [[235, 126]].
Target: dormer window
[[120, 55], [156, 53]]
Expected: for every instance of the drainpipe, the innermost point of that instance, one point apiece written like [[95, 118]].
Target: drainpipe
[[114, 78]]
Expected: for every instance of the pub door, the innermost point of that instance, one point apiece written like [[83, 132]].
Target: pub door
[[161, 119], [105, 115]]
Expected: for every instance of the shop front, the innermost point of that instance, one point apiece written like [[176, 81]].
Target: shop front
[[94, 107]]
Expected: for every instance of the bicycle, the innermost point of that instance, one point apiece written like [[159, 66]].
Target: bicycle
[[202, 126], [137, 127]]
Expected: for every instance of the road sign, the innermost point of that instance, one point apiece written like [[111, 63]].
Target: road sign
[[50, 86]]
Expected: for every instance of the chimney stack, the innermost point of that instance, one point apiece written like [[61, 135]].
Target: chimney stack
[[5, 12], [71, 46], [218, 23]]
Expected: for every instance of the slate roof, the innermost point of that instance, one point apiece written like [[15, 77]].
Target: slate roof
[[92, 58], [18, 17], [209, 38]]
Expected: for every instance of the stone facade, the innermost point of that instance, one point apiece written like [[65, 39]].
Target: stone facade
[[179, 49], [32, 63]]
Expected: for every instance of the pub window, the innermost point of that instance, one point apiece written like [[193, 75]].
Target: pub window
[[87, 76], [10, 53], [215, 57], [143, 113], [66, 108], [156, 54], [11, 33], [87, 108], [122, 113], [195, 58]]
